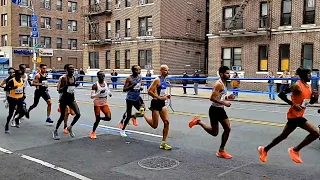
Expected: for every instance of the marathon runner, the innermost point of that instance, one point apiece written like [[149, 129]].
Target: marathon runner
[[133, 86], [41, 83], [16, 97], [100, 93], [4, 84], [217, 113], [301, 97], [158, 105], [67, 98]]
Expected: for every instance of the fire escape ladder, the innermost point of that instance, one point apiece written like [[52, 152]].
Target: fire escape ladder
[[238, 14]]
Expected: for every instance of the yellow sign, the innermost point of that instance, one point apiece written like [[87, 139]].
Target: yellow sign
[[39, 59]]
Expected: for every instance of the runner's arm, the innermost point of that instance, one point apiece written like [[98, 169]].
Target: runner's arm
[[63, 86], [10, 85], [94, 93], [314, 98], [283, 94], [36, 81], [216, 90], [127, 85], [3, 83]]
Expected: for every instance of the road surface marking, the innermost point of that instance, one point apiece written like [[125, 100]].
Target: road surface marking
[[267, 123], [224, 173], [46, 164], [132, 131]]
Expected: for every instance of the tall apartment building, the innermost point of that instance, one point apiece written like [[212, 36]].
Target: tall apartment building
[[60, 27], [254, 37], [121, 33]]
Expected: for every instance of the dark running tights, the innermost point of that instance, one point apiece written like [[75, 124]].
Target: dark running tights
[[12, 105], [74, 107]]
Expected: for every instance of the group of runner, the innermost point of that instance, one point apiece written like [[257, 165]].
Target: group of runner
[[302, 95]]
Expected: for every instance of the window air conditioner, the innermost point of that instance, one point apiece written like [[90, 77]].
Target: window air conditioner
[[236, 68], [149, 33]]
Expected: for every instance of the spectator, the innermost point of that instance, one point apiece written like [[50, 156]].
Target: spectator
[[271, 86], [149, 80], [285, 83], [235, 84], [82, 74], [196, 82], [294, 75], [114, 79], [185, 82], [54, 73]]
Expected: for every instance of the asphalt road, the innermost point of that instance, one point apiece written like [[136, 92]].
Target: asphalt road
[[30, 152]]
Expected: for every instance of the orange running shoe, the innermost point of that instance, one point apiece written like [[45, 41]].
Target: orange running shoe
[[134, 121], [263, 154], [121, 125], [223, 154], [295, 156], [65, 131], [194, 121], [93, 135]]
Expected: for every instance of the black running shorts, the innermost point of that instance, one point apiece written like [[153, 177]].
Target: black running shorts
[[296, 122], [41, 93], [157, 105], [217, 114]]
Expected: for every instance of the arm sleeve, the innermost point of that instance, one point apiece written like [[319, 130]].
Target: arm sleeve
[[283, 96], [313, 99]]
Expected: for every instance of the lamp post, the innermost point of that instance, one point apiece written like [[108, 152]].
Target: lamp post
[[34, 33]]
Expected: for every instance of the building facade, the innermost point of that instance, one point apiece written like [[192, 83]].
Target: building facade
[[257, 37], [60, 28], [119, 34]]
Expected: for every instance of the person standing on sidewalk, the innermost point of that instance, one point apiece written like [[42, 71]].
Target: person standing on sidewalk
[[285, 83], [114, 79], [235, 84], [185, 82], [271, 86], [196, 82]]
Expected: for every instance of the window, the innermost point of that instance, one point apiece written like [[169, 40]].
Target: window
[[25, 41], [284, 53], [307, 56], [45, 22], [309, 12], [45, 4], [128, 28], [145, 26], [94, 60], [264, 20], [263, 58], [59, 43], [108, 31], [118, 35], [4, 40], [108, 5], [128, 3], [45, 42], [59, 24], [117, 60], [25, 3], [72, 6], [108, 59], [4, 19], [117, 3], [145, 59], [3, 2], [228, 14], [199, 27], [94, 31], [127, 59], [25, 20], [72, 25], [231, 57], [286, 13], [72, 44], [145, 2], [59, 5]]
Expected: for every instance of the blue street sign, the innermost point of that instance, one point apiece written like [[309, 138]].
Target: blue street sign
[[34, 29], [34, 18], [35, 34], [18, 2], [34, 25]]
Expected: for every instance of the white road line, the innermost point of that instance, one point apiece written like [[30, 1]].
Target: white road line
[[132, 131], [46, 164], [224, 173]]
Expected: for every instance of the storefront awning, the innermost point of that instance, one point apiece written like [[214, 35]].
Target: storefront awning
[[4, 60]]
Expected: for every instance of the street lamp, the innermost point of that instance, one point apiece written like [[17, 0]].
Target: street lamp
[[34, 33]]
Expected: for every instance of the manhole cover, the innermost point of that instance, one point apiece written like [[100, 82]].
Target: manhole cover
[[158, 163]]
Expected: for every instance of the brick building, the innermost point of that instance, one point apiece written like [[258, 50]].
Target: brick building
[[119, 34], [254, 37], [60, 28]]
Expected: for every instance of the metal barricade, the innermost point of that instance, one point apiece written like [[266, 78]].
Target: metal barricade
[[168, 92]]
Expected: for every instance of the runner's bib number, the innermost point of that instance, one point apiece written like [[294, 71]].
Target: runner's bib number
[[162, 92], [45, 83], [137, 87], [71, 89], [19, 91]]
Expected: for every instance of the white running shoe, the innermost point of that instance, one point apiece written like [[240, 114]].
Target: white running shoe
[[123, 133]]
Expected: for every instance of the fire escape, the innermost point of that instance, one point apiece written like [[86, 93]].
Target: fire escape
[[93, 35], [234, 27]]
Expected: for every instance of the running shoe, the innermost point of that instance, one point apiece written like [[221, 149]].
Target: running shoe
[[93, 135], [71, 132], [194, 122], [55, 135], [263, 154], [49, 120], [295, 156], [165, 146], [123, 133], [223, 154]]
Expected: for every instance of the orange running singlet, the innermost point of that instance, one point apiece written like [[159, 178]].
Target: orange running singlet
[[299, 99]]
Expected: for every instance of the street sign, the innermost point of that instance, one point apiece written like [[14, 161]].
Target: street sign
[[39, 59], [34, 18], [35, 34], [34, 22], [18, 2]]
